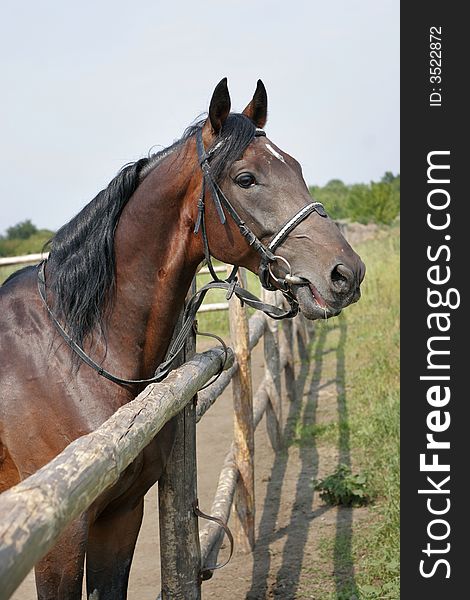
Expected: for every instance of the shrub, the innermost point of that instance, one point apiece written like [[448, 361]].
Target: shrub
[[342, 487], [21, 231], [377, 202]]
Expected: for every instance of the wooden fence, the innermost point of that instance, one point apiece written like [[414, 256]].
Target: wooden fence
[[29, 259], [35, 512]]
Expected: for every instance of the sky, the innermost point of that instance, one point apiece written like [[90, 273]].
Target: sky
[[89, 86]]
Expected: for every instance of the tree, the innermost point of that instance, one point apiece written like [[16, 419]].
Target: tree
[[333, 196], [21, 231], [377, 202], [388, 177]]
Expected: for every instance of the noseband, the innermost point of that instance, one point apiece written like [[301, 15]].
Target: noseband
[[268, 258]]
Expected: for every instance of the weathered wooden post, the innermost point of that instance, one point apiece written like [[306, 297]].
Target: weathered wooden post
[[273, 376], [180, 553], [244, 505]]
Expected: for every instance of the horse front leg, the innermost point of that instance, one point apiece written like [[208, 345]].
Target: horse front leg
[[111, 543], [59, 575]]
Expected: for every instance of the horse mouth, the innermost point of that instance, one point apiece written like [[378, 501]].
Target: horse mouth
[[311, 302]]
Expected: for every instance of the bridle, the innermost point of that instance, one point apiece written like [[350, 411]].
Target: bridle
[[267, 253], [268, 257]]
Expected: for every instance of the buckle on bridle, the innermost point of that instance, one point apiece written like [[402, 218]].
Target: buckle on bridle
[[231, 288]]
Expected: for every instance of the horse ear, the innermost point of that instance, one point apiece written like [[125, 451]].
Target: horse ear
[[257, 109], [219, 107]]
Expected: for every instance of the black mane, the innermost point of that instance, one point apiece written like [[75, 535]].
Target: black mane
[[81, 272]]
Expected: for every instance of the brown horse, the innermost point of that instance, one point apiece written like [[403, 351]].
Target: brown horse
[[116, 278]]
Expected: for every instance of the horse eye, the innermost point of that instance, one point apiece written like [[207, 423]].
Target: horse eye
[[245, 180]]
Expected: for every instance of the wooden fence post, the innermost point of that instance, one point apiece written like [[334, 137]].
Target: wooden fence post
[[180, 552], [244, 505], [273, 376]]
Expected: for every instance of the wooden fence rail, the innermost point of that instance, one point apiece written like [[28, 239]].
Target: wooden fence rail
[[29, 259], [34, 513], [26, 259], [9, 261]]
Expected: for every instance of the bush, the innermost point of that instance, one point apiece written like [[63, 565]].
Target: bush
[[342, 487], [17, 246], [21, 231], [377, 202], [334, 195]]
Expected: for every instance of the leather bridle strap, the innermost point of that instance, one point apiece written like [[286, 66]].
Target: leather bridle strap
[[283, 233], [207, 572], [292, 223], [221, 202], [75, 347], [178, 343]]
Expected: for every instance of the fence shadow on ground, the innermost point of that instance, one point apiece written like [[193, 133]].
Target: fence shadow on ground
[[303, 411], [344, 573]]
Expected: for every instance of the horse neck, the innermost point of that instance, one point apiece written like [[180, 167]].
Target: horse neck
[[157, 255]]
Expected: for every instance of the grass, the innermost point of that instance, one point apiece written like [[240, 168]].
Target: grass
[[371, 419], [7, 271]]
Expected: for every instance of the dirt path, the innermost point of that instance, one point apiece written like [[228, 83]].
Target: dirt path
[[299, 540]]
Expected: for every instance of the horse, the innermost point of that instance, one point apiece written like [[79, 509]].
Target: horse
[[113, 286]]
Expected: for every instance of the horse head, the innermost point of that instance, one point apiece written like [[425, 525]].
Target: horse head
[[309, 257]]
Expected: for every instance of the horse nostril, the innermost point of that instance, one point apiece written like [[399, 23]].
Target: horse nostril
[[342, 278]]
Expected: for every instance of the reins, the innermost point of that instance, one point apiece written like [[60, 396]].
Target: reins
[[268, 257]]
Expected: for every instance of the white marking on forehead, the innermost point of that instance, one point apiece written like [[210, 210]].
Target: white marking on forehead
[[274, 153]]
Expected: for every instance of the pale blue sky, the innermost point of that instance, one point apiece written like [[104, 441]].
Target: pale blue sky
[[89, 86]]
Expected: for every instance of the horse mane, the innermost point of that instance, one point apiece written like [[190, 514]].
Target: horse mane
[[81, 272]]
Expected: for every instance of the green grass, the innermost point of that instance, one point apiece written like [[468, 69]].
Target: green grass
[[7, 271], [371, 392]]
